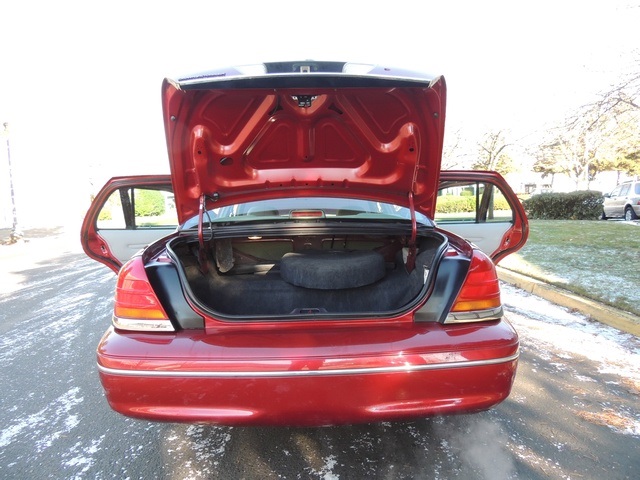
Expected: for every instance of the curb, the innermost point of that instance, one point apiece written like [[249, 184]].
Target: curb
[[613, 317]]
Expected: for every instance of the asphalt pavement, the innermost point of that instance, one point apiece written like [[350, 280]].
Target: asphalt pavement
[[573, 411]]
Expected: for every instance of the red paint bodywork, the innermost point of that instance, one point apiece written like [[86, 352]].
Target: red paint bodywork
[[247, 145], [287, 386], [382, 142]]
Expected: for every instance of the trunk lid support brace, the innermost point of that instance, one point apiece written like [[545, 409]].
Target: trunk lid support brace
[[410, 263], [203, 249]]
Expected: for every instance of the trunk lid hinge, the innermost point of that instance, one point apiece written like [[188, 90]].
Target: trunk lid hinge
[[410, 262], [203, 248]]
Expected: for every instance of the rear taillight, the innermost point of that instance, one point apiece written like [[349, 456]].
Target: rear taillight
[[136, 305], [479, 297]]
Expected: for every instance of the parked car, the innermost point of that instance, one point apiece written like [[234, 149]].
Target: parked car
[[307, 282], [623, 201]]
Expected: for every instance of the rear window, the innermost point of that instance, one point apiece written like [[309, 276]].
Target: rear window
[[311, 208]]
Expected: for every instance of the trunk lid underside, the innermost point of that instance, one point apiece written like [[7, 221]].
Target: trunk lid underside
[[376, 138]]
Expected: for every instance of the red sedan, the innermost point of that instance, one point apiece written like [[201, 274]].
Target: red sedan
[[296, 267]]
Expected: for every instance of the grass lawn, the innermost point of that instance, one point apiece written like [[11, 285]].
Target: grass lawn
[[595, 259]]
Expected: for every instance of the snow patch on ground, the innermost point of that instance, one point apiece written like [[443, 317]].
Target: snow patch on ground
[[326, 472], [83, 457], [196, 450], [53, 323], [47, 425], [544, 327], [573, 332]]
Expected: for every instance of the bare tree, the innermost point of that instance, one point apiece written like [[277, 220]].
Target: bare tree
[[603, 135], [453, 154], [595, 138], [547, 163], [571, 150], [616, 115], [621, 147], [492, 155], [623, 96]]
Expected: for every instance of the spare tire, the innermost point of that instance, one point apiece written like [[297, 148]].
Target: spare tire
[[332, 269]]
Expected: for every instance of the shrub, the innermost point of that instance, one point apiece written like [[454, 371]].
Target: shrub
[[500, 203], [455, 204], [149, 203], [581, 205], [466, 204]]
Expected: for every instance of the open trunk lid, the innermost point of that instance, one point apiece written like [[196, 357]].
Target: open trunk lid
[[304, 129]]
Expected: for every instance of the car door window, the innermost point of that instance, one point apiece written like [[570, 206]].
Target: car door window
[[132, 217], [471, 202], [615, 192], [136, 208], [624, 190]]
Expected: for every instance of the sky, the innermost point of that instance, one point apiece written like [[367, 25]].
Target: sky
[[80, 82]]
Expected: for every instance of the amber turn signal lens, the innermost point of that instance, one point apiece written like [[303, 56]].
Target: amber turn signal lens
[[136, 300], [481, 288]]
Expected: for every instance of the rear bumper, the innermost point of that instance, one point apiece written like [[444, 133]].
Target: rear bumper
[[305, 379]]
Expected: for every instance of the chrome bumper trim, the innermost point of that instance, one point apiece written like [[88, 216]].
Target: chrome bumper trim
[[308, 373]]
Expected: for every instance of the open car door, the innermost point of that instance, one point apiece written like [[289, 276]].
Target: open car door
[[131, 212], [480, 207], [128, 214]]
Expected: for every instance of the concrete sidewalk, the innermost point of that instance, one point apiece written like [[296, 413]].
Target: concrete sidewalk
[[30, 233], [613, 317]]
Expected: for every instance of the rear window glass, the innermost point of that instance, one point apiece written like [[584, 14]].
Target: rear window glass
[[330, 208]]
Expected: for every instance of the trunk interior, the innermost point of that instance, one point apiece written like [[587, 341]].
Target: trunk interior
[[307, 275]]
